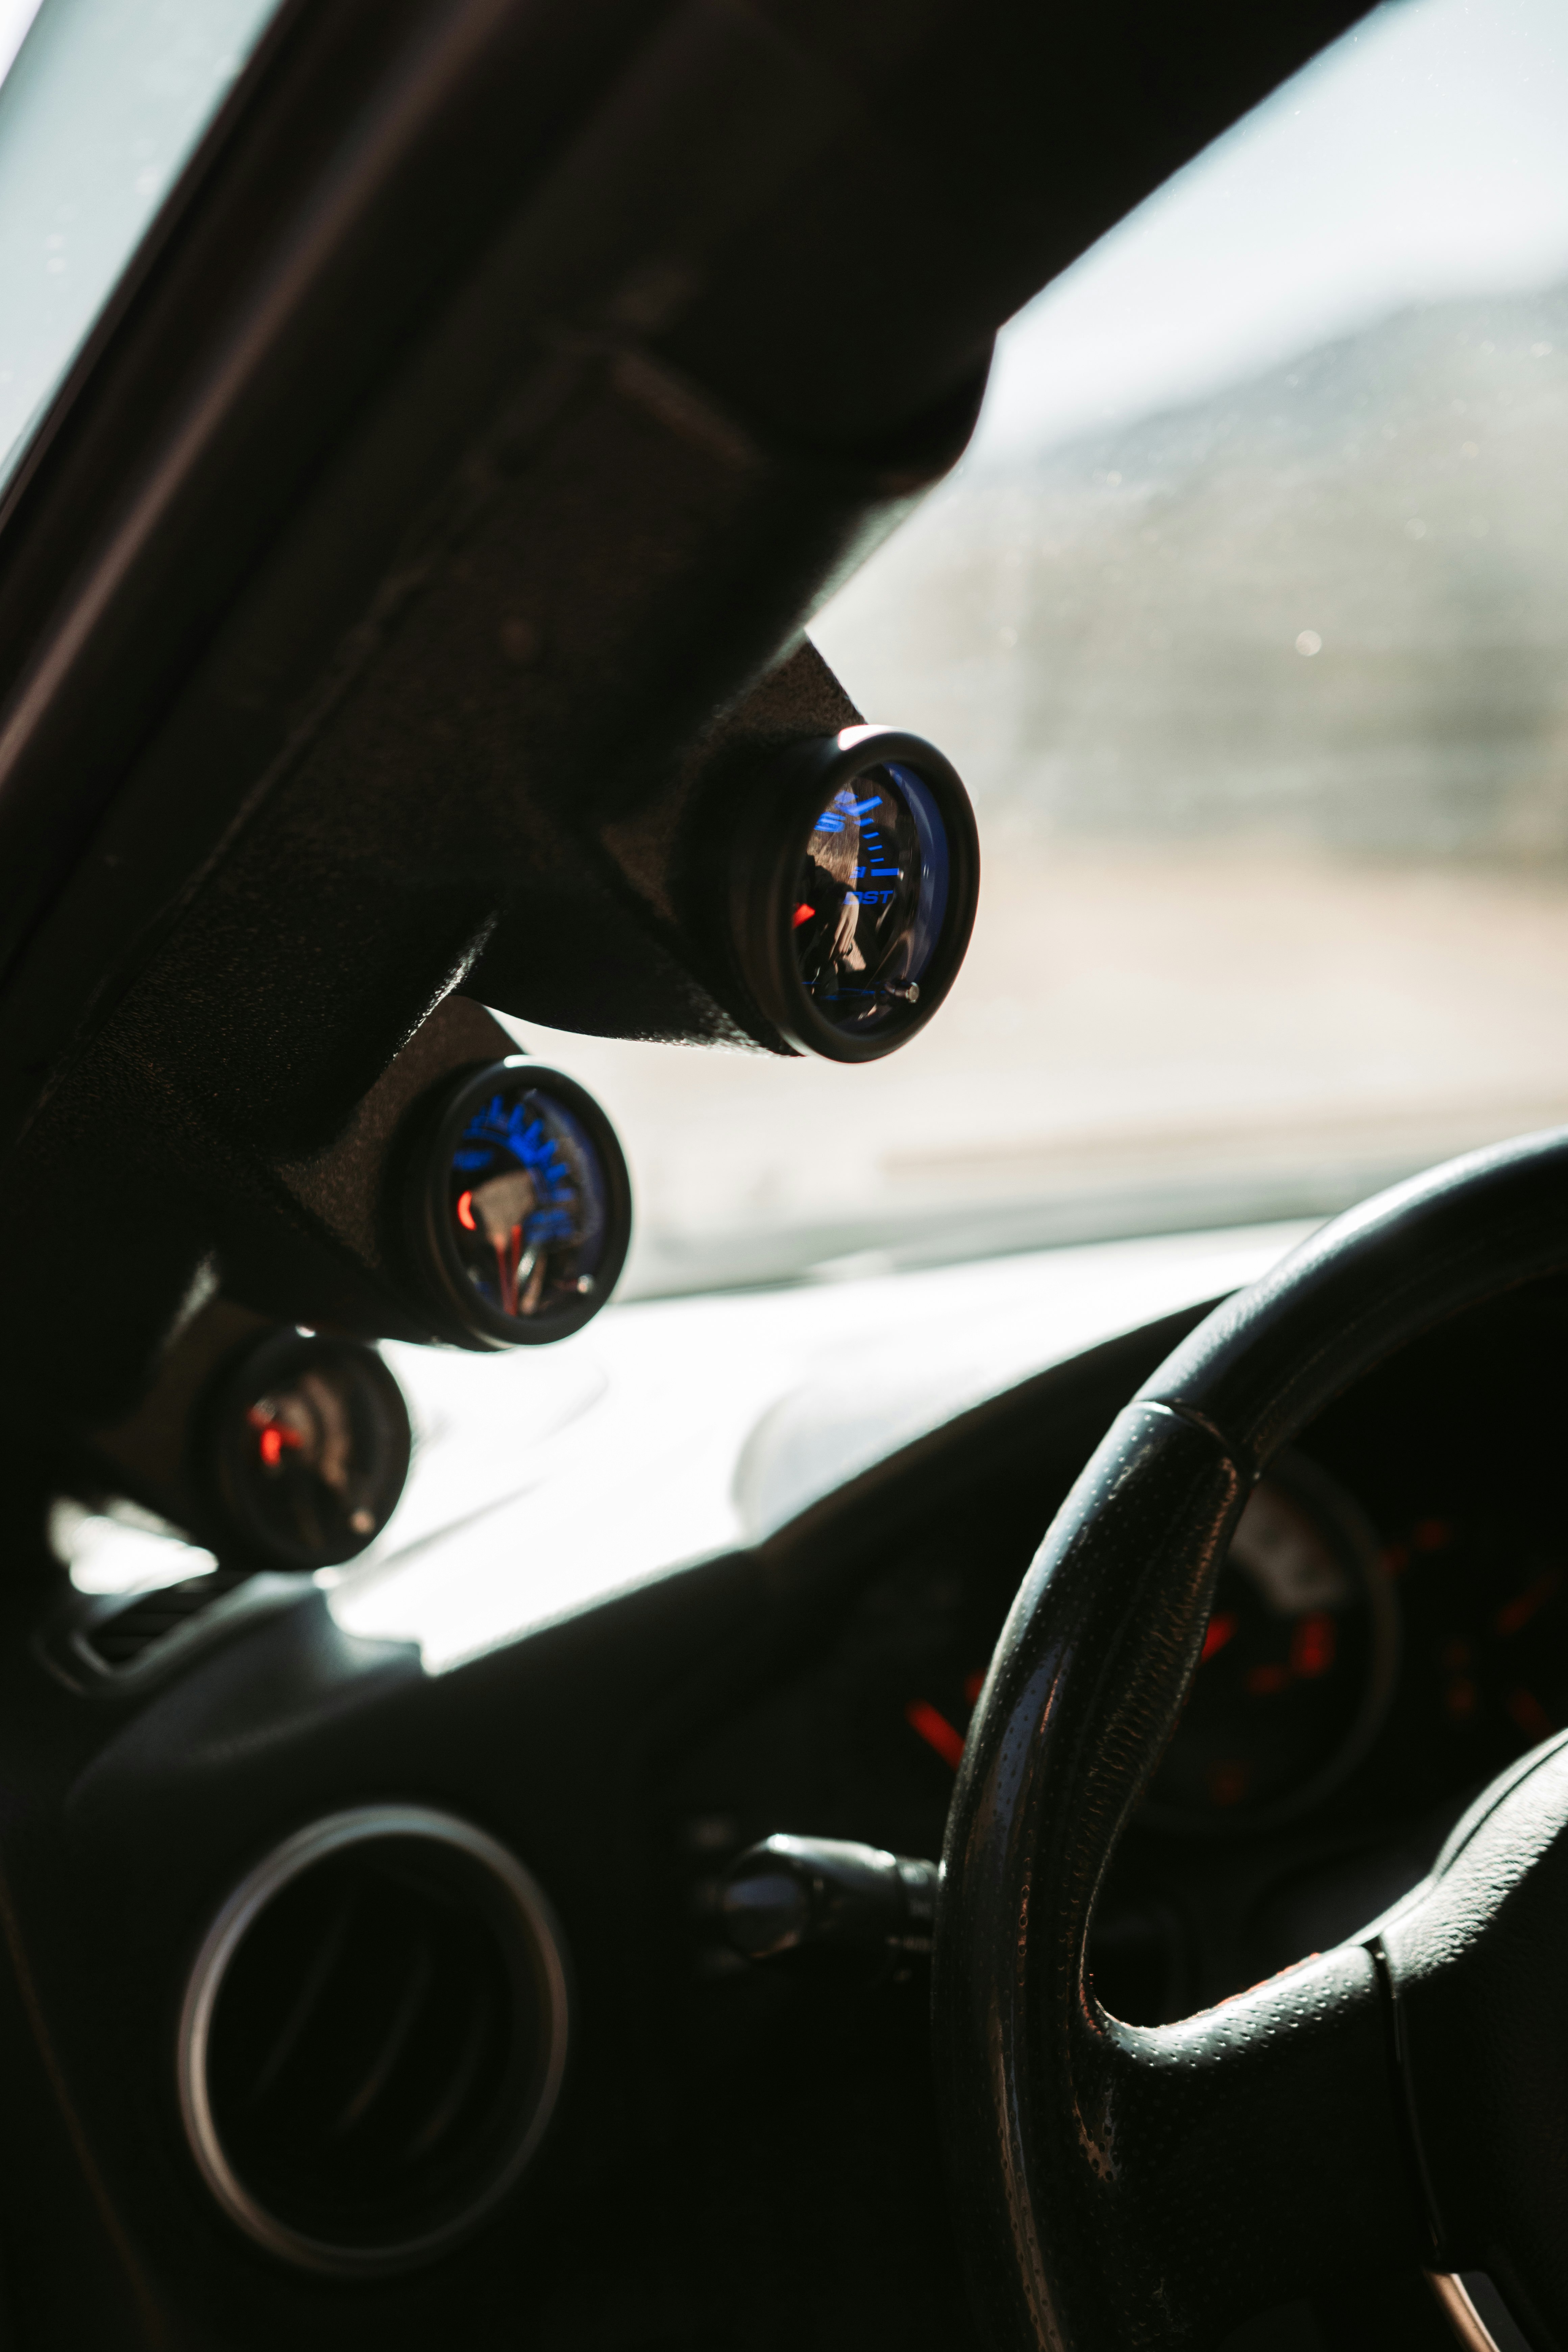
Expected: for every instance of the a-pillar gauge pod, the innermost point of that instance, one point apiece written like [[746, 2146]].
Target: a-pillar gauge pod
[[520, 1206], [854, 878]]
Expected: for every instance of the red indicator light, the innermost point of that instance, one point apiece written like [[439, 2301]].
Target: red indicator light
[[1222, 1629], [272, 1436], [1520, 1610], [466, 1212], [935, 1730], [1313, 1645], [801, 914]]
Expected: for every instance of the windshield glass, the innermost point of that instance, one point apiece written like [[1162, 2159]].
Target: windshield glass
[[1245, 621], [101, 102]]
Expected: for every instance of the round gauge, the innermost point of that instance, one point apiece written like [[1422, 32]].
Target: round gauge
[[308, 1443], [1298, 1662], [869, 898], [856, 887], [524, 1211]]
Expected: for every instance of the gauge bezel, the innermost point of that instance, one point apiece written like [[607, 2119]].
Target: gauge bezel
[[766, 862], [466, 1319], [536, 1952], [1341, 1521], [247, 1373]]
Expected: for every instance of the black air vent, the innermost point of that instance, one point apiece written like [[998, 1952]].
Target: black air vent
[[383, 2041], [120, 1639]]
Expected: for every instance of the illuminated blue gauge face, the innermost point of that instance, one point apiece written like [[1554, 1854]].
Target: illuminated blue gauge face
[[527, 1205], [870, 900]]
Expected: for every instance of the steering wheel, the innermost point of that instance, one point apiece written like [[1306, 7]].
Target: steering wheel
[[1401, 2100]]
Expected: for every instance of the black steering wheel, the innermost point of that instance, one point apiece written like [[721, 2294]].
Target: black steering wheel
[[1401, 2100]]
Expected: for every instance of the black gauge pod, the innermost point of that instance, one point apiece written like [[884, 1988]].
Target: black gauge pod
[[306, 1442], [520, 1206], [854, 876]]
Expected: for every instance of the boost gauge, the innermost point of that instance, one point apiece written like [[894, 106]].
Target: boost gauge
[[854, 879], [307, 1449], [520, 1207], [1298, 1662]]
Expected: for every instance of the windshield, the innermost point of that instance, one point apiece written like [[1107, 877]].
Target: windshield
[[101, 102], [1244, 620]]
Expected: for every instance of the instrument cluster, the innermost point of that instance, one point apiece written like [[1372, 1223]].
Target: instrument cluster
[[1390, 1630], [1352, 1674], [1394, 1667]]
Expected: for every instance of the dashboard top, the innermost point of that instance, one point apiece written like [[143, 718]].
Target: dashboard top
[[676, 1430]]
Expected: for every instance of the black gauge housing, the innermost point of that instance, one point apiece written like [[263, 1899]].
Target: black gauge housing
[[519, 1206], [854, 878], [305, 1445]]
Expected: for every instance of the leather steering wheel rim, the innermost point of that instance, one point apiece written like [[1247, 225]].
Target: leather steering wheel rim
[[1402, 2100]]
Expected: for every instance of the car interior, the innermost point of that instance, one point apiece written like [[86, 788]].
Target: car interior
[[981, 1773]]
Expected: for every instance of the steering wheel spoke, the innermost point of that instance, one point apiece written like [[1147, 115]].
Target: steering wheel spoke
[[1246, 2155], [1474, 1958], [1164, 2180]]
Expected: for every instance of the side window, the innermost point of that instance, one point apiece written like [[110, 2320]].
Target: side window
[[101, 102]]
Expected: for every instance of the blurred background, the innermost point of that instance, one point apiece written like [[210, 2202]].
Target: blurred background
[[1244, 619]]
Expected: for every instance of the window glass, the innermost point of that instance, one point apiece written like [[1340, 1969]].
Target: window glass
[[100, 104], [1246, 619]]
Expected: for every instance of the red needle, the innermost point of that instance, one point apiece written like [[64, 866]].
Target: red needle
[[935, 1730], [1535, 1596]]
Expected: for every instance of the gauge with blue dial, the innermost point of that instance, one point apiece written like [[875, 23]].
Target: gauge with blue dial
[[526, 1205], [870, 899], [855, 876]]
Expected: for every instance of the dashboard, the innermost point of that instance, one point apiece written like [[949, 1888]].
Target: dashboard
[[1391, 1630], [1392, 1627]]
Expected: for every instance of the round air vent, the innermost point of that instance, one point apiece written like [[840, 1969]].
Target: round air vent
[[373, 2038]]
